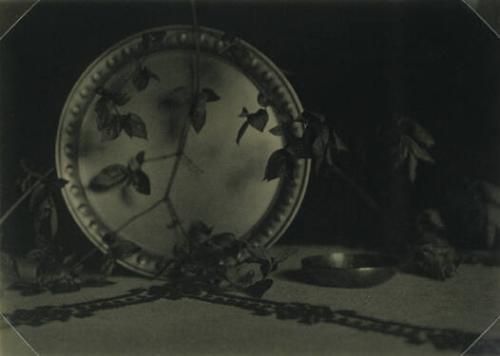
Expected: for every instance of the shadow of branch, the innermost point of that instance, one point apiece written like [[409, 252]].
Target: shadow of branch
[[306, 314]]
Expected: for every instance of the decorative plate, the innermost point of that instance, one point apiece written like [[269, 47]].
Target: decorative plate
[[123, 125]]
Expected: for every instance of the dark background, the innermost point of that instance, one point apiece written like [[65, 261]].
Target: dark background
[[356, 62]]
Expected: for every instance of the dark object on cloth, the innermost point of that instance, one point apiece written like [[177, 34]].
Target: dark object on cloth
[[436, 258], [340, 269], [432, 255]]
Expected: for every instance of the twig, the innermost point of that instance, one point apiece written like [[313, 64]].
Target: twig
[[83, 259], [179, 155], [30, 172], [23, 197], [367, 199], [160, 158], [180, 151], [174, 216], [137, 216], [193, 165]]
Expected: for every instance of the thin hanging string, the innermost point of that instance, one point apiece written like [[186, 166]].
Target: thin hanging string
[[196, 39]]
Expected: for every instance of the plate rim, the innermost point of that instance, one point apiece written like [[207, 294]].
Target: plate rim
[[64, 151]]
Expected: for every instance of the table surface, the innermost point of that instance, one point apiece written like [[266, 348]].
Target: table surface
[[407, 315]]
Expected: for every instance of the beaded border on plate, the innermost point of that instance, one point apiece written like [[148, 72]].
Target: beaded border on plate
[[256, 66]]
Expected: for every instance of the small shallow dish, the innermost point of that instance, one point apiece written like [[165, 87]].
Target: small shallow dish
[[351, 270]]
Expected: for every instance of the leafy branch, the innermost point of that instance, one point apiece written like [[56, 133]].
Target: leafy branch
[[116, 174], [26, 194], [318, 142], [110, 121], [258, 120], [142, 74], [218, 262], [410, 145]]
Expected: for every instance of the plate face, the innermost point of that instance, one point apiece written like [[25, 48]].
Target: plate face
[[217, 181]]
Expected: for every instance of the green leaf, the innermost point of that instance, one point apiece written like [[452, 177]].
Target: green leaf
[[257, 290], [54, 221], [223, 240], [210, 95], [109, 177], [267, 266], [134, 126], [199, 232], [258, 120], [140, 157], [142, 77], [244, 113], [107, 266], [103, 113], [135, 163], [109, 239], [338, 143], [277, 130], [277, 164], [199, 113], [263, 100], [400, 153], [117, 98], [150, 38], [412, 167], [241, 132], [320, 143], [140, 181], [157, 36], [417, 132], [58, 183], [112, 129], [419, 152], [244, 275], [312, 118], [229, 38]]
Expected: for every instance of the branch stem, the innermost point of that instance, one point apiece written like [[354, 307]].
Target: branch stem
[[363, 195], [192, 164], [179, 154], [160, 158], [26, 194], [84, 258], [139, 215], [175, 217]]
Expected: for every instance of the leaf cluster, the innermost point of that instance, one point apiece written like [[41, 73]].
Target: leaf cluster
[[318, 142], [258, 120], [142, 74], [110, 121], [55, 266], [117, 249], [195, 105], [233, 47], [409, 144], [218, 262], [118, 174]]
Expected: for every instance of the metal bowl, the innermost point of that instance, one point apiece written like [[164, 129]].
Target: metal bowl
[[340, 269]]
